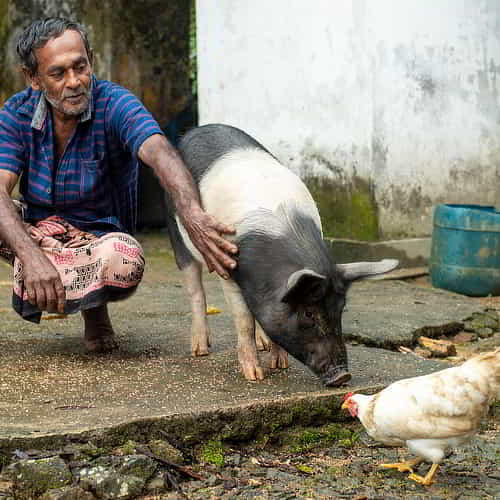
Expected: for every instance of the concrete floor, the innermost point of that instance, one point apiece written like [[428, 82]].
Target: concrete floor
[[51, 388]]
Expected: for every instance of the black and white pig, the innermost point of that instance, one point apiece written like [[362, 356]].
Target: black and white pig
[[286, 282]]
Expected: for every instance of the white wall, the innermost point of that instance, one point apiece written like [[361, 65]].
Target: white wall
[[403, 93]]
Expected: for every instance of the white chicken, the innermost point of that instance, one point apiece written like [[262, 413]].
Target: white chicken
[[431, 414]]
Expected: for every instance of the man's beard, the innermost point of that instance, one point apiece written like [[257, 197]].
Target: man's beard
[[58, 104]]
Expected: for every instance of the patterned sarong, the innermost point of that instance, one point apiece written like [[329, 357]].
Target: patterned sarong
[[94, 270]]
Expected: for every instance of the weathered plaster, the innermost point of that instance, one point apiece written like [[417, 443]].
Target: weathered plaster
[[401, 94]]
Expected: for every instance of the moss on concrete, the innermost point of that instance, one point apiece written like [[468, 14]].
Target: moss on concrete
[[212, 452], [348, 210], [304, 439]]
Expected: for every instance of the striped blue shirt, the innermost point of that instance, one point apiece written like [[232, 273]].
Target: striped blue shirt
[[94, 185]]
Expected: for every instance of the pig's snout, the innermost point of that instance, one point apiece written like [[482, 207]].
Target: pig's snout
[[336, 377]]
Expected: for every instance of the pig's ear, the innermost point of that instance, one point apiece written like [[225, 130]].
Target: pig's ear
[[358, 270], [303, 285]]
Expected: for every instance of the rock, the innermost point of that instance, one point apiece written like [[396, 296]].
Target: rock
[[233, 459], [485, 332], [129, 448], [462, 337], [139, 466], [438, 348], [425, 353], [156, 484], [39, 475], [485, 319], [165, 450], [6, 488], [116, 486], [67, 493], [493, 314]]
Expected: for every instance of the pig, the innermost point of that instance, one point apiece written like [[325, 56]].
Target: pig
[[286, 284]]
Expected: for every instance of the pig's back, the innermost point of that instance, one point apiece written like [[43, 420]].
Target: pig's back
[[236, 175]]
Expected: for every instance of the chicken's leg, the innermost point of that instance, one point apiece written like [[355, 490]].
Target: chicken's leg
[[428, 479], [403, 466]]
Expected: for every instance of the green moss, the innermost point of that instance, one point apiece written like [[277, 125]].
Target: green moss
[[127, 448], [306, 469], [213, 453], [92, 451], [347, 210], [34, 477], [305, 439]]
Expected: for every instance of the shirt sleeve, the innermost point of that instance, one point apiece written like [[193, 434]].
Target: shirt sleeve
[[12, 154], [129, 120]]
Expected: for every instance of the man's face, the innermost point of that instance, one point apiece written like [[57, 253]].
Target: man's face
[[64, 74]]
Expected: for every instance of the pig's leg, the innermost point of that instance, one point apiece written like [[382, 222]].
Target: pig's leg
[[245, 326], [261, 339], [200, 331]]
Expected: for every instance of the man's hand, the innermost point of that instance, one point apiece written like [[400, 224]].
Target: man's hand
[[43, 283], [203, 229], [205, 232], [41, 280]]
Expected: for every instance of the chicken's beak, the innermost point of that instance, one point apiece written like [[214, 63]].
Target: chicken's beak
[[345, 405]]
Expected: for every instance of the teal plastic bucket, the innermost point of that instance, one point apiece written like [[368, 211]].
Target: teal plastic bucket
[[465, 251]]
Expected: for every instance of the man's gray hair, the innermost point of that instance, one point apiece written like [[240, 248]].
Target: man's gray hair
[[38, 33]]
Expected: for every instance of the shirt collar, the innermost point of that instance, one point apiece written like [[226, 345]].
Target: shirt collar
[[42, 108]]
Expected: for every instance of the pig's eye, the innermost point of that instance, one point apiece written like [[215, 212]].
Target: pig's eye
[[307, 318]]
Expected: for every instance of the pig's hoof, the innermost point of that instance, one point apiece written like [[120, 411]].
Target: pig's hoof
[[254, 373], [101, 345], [279, 358], [337, 379], [262, 341], [195, 352]]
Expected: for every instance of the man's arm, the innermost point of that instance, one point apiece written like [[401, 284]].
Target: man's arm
[[41, 280], [202, 228]]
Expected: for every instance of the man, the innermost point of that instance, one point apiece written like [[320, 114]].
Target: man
[[76, 143]]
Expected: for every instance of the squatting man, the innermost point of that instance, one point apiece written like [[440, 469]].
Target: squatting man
[[76, 144]]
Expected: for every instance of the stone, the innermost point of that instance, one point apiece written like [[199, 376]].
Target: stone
[[462, 337], [233, 459], [485, 332], [425, 353], [139, 466], [485, 319], [116, 486], [165, 450], [156, 484], [6, 488], [438, 348], [128, 448], [90, 477], [67, 493], [38, 475]]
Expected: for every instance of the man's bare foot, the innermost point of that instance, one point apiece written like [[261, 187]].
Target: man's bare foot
[[99, 336]]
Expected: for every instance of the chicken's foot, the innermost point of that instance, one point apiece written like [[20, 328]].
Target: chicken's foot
[[428, 479], [403, 466]]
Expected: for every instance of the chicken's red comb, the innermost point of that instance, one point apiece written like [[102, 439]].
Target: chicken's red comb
[[348, 395]]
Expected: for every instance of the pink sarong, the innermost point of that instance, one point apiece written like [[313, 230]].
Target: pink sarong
[[94, 270]]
